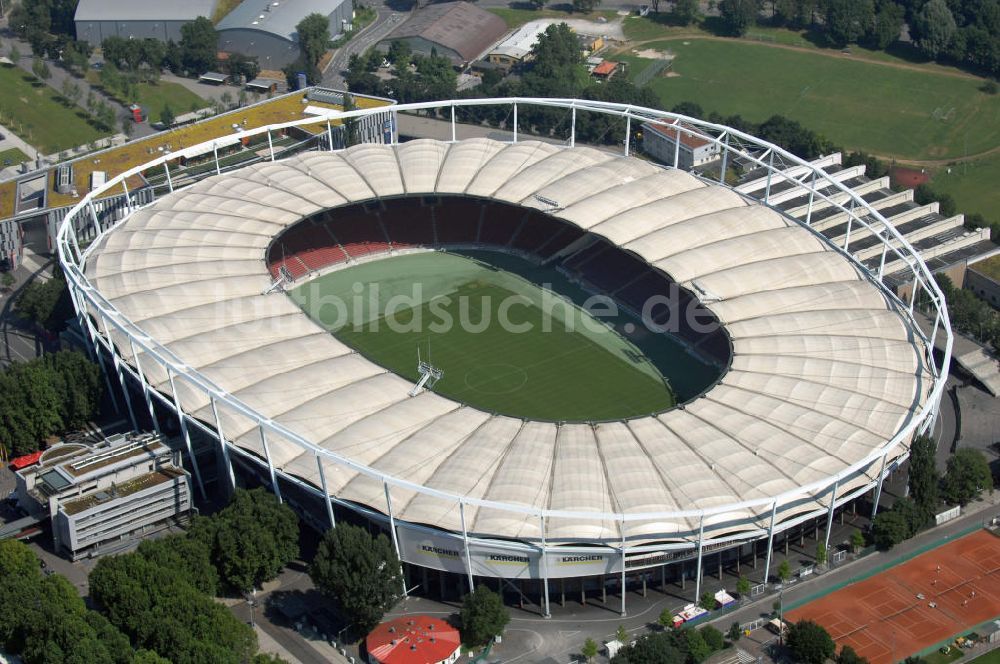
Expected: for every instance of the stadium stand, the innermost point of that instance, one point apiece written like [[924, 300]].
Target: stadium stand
[[400, 223]]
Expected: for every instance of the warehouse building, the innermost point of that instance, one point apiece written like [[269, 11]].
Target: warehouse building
[[96, 20], [127, 486], [267, 28], [459, 31]]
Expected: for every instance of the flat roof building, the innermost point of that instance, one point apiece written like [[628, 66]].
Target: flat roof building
[[267, 28], [660, 142], [516, 47], [96, 20], [459, 31], [126, 486]]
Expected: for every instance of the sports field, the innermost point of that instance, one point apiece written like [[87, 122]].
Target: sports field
[[906, 113], [505, 344], [940, 594]]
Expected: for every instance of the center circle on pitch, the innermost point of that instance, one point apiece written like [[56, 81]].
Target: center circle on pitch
[[496, 378]]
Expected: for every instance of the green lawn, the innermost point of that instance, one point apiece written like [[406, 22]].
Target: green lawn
[[938, 657], [859, 105], [989, 658], [973, 185], [575, 368], [154, 97], [13, 155], [32, 112]]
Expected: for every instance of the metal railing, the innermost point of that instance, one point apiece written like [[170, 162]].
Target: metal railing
[[99, 318]]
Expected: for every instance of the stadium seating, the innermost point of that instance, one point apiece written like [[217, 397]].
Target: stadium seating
[[538, 230], [457, 220], [359, 231], [500, 222], [407, 222]]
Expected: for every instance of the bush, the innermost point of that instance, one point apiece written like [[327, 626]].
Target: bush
[[810, 643]]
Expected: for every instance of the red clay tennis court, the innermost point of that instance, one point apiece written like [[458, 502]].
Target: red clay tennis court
[[916, 604]]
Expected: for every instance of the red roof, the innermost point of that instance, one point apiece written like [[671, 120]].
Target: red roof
[[413, 640], [691, 141], [605, 68], [26, 460]]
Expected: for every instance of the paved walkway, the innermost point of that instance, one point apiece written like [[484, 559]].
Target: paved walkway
[[12, 140]]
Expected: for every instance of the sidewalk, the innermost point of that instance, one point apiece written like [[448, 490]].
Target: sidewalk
[[12, 140]]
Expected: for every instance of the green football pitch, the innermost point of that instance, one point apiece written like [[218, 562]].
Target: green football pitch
[[505, 343]]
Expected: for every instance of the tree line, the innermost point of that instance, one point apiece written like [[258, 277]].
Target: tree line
[[50, 395], [161, 596], [961, 32], [966, 476]]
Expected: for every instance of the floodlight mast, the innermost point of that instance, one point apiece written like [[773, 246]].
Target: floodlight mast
[[429, 375]]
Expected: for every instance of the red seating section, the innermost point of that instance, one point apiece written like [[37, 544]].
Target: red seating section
[[347, 234]]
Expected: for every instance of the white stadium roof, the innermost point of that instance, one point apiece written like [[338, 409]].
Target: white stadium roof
[[825, 369]]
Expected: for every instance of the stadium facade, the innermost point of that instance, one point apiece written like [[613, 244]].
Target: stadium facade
[[828, 375]]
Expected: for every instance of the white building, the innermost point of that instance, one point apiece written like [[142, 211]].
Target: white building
[[516, 47], [126, 486], [660, 142]]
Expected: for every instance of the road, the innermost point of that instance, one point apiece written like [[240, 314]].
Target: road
[[385, 21]]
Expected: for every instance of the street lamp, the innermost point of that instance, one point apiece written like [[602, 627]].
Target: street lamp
[[251, 602]]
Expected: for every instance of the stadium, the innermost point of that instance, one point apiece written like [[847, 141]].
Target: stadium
[[791, 385]]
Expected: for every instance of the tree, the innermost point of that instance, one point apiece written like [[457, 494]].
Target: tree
[[400, 54], [685, 11], [707, 601], [198, 46], [889, 529], [484, 617], [267, 658], [933, 27], [589, 650], [888, 23], [105, 115], [821, 553], [314, 36], [585, 6], [735, 633], [810, 643], [167, 116], [847, 655], [857, 540], [14, 53], [128, 126], [666, 618], [923, 477], [656, 648], [713, 637], [536, 4], [966, 475], [160, 610], [743, 586], [621, 634], [847, 21], [251, 540], [7, 281], [40, 70], [360, 571], [784, 571], [738, 15]]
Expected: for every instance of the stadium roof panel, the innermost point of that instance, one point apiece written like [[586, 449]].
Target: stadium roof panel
[[825, 369]]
